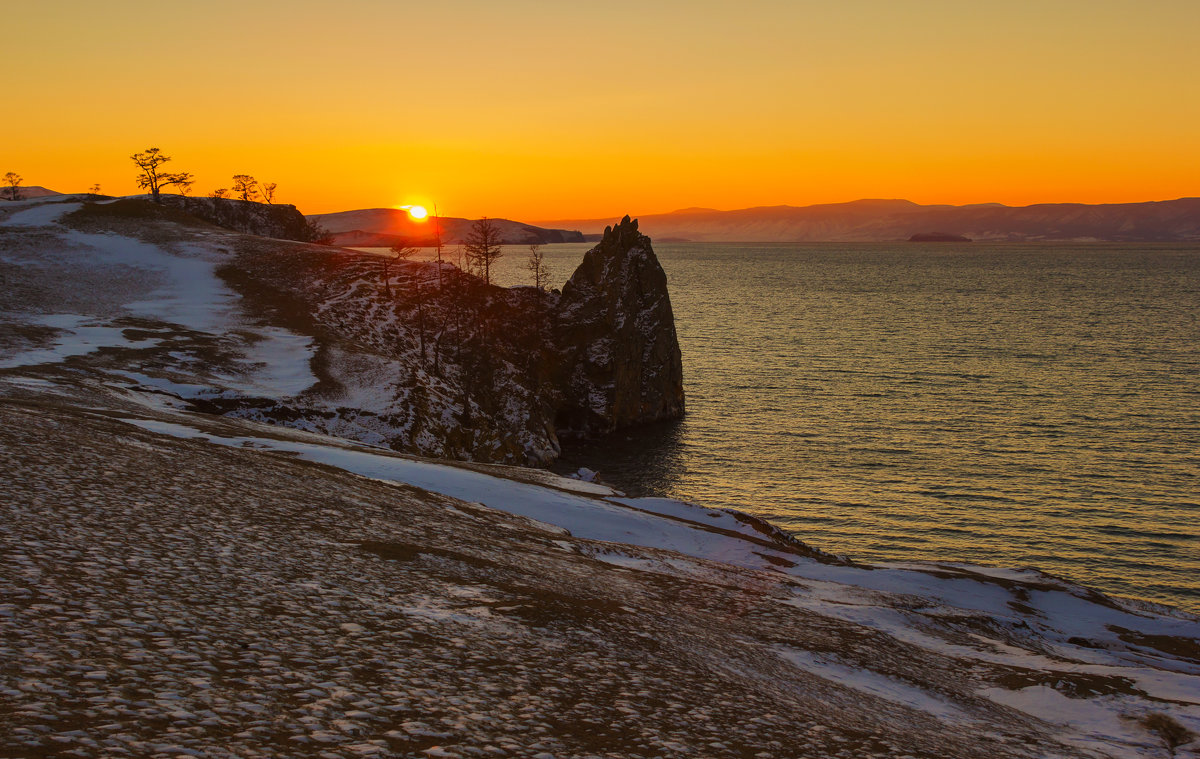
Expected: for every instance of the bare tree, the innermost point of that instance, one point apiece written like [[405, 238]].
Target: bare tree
[[437, 242], [316, 233], [483, 247], [153, 178], [441, 331], [418, 290], [220, 192], [268, 191], [537, 267], [245, 187], [401, 251], [13, 180]]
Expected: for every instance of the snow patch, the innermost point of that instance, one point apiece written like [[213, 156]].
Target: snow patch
[[39, 215], [77, 335], [1099, 723], [872, 683]]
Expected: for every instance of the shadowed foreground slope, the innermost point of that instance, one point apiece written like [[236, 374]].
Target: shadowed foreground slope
[[165, 595]]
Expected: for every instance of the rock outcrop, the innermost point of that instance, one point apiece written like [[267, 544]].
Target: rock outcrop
[[412, 355], [282, 222], [445, 365], [616, 331]]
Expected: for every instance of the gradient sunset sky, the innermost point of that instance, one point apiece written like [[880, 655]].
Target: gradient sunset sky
[[544, 110]]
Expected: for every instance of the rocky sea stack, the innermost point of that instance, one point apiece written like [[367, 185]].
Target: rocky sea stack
[[616, 330]]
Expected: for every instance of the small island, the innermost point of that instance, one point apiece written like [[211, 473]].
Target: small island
[[937, 237]]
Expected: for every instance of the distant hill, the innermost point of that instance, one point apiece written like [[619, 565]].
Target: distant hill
[[889, 220], [383, 227], [34, 191]]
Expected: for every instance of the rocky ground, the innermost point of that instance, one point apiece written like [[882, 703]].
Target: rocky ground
[[167, 597]]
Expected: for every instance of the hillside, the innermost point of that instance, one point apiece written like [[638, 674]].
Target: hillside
[[897, 220], [177, 582], [384, 227], [428, 360], [32, 191]]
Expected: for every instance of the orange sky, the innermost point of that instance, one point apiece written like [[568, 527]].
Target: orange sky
[[540, 110]]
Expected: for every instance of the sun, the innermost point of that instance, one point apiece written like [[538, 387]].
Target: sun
[[418, 213]]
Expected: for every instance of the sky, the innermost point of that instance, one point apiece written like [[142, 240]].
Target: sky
[[539, 110]]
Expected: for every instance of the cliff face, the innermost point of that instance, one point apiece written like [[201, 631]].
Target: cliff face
[[282, 222], [615, 328]]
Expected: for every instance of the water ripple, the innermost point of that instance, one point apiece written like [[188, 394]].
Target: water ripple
[[1014, 405]]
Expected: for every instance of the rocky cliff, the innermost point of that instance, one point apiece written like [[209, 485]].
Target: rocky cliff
[[413, 355], [615, 329], [282, 222], [435, 361]]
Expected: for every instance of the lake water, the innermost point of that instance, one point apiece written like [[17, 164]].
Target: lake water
[[1014, 405]]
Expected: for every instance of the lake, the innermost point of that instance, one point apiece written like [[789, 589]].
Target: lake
[[1014, 405]]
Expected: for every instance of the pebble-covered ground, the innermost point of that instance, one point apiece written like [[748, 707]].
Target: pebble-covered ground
[[166, 597]]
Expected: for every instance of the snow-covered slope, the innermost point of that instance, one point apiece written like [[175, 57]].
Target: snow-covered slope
[[176, 582], [266, 329], [75, 293]]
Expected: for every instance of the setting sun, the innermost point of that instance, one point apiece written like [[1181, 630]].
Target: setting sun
[[418, 213]]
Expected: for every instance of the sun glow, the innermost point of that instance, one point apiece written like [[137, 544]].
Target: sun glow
[[418, 213], [921, 100]]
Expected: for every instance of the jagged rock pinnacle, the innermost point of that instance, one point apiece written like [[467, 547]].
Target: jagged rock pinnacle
[[617, 331]]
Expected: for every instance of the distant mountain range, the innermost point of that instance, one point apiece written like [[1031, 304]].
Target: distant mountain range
[[383, 227], [893, 220], [856, 221]]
